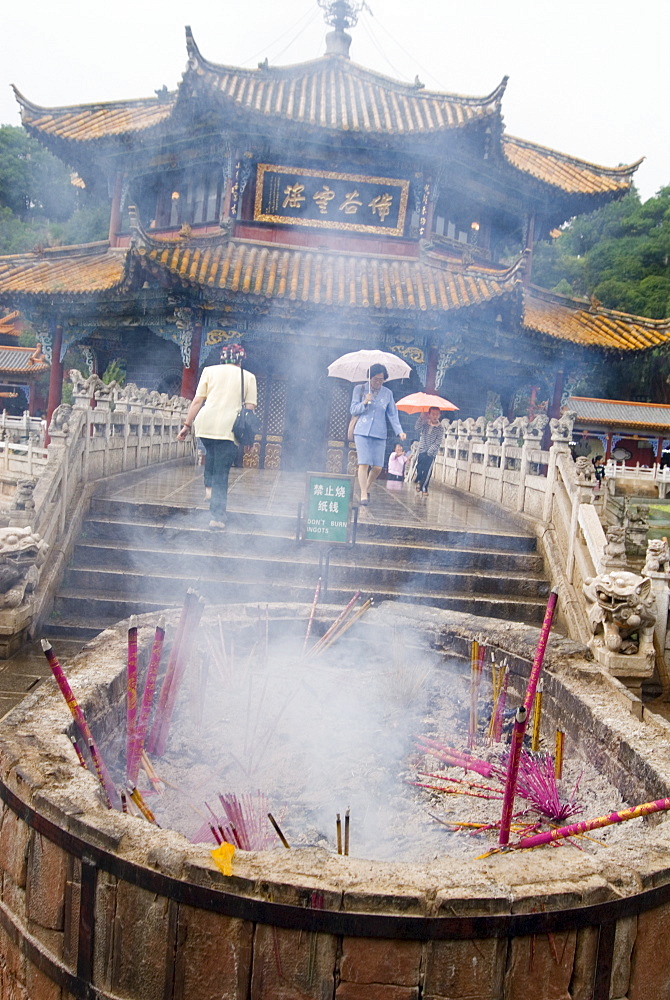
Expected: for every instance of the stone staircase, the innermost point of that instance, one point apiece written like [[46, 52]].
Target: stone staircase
[[134, 557]]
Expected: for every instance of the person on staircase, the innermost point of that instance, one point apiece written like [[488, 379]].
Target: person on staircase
[[372, 403], [221, 387], [431, 435]]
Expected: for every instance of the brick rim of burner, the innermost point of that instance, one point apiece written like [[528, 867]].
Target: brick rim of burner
[[92, 846]]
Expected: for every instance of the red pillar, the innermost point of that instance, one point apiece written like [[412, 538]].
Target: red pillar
[[189, 378], [55, 376], [431, 369], [608, 452]]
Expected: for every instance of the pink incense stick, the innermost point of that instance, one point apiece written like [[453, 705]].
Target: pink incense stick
[[131, 692], [522, 721], [659, 805], [312, 613], [536, 669], [147, 702], [189, 601], [512, 771], [80, 719], [188, 639]]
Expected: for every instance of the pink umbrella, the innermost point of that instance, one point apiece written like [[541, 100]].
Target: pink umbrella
[[421, 402]]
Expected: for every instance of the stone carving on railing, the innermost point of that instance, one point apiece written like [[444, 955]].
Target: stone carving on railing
[[60, 421], [658, 557], [84, 386], [533, 430], [561, 427], [620, 607], [22, 552], [495, 429], [637, 528], [584, 472], [23, 499], [614, 553]]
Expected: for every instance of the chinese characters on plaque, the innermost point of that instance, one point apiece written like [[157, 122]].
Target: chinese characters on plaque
[[328, 507], [327, 200]]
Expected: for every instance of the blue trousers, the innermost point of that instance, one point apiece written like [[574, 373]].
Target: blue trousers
[[219, 457], [424, 466]]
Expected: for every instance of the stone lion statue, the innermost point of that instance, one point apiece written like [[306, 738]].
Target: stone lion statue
[[658, 556], [22, 552], [621, 612], [583, 470]]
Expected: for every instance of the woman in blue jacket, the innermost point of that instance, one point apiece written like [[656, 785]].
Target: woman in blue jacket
[[372, 403]]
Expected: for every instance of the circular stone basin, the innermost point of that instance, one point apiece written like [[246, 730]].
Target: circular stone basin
[[96, 898]]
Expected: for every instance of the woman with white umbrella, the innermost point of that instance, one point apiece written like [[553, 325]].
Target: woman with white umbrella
[[372, 403]]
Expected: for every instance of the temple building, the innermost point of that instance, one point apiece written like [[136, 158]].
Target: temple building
[[307, 211]]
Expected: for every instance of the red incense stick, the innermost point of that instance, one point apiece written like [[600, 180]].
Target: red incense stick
[[80, 719], [512, 771], [147, 702], [659, 805]]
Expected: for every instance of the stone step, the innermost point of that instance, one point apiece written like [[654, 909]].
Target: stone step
[[108, 568], [100, 609], [174, 519], [195, 542]]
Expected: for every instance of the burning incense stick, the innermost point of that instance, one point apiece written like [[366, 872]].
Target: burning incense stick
[[522, 720], [512, 770], [136, 796], [80, 756], [147, 700], [536, 669], [659, 805], [338, 824], [477, 654], [131, 693], [537, 716], [80, 719], [336, 624], [187, 609], [312, 613], [346, 831], [558, 757], [179, 664], [347, 624], [124, 802], [278, 831]]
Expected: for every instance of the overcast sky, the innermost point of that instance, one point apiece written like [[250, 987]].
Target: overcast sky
[[587, 77]]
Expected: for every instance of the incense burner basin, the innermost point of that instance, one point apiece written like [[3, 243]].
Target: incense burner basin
[[97, 903]]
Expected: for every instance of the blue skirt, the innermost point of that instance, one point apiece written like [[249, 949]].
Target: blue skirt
[[370, 450]]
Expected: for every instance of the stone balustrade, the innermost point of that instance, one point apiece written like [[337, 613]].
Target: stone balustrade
[[106, 430], [503, 461]]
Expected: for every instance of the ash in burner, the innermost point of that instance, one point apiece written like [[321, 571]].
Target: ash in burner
[[315, 736], [265, 727]]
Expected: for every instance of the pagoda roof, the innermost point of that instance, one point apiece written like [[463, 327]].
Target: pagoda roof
[[330, 94], [80, 270], [10, 324], [221, 266], [590, 326], [568, 173], [328, 278], [625, 413], [92, 122], [28, 360], [334, 93]]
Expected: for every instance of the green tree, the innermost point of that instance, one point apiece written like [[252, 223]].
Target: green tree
[[620, 254], [39, 204]]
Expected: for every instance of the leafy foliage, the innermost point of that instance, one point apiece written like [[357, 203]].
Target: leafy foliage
[[39, 205], [620, 254]]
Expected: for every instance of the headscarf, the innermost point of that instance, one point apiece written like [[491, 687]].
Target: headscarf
[[232, 354]]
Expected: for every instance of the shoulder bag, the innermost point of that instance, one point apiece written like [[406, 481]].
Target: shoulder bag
[[246, 425]]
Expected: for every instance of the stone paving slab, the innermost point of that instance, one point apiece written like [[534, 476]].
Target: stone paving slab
[[264, 491]]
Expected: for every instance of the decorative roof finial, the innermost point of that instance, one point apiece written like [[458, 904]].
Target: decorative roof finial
[[340, 14]]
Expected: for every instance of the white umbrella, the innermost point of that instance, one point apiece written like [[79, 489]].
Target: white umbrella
[[355, 367]]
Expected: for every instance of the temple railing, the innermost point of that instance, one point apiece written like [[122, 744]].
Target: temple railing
[[562, 500], [105, 431]]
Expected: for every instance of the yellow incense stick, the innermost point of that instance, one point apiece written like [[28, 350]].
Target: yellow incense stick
[[558, 759], [537, 715]]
